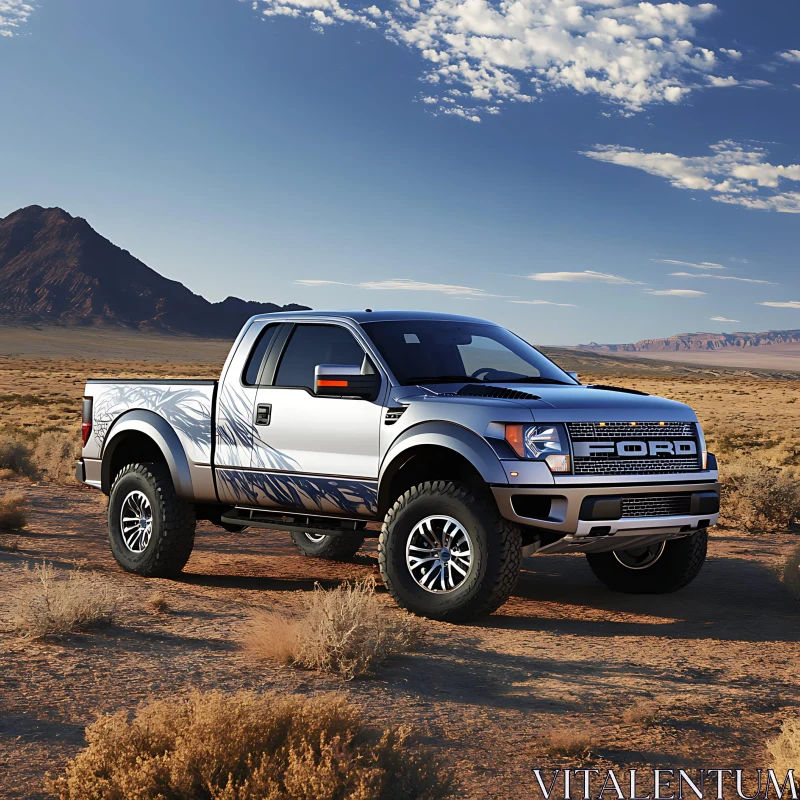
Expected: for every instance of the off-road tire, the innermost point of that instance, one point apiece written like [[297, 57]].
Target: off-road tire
[[677, 567], [331, 548], [497, 543], [174, 522]]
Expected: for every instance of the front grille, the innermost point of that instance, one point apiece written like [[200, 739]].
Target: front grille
[[654, 463], [624, 430], [664, 505]]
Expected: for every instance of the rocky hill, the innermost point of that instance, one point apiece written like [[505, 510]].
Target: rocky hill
[[56, 269], [699, 341]]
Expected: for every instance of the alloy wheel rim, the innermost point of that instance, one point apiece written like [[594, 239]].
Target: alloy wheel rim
[[316, 538], [136, 521], [439, 554], [640, 557]]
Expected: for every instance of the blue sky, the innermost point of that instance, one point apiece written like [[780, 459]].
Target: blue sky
[[576, 170]]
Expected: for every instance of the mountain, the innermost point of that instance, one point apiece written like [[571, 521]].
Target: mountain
[[55, 268], [699, 341]]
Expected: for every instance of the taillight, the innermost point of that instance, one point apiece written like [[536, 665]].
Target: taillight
[[86, 420]]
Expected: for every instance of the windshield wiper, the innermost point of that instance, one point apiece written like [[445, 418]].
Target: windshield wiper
[[532, 380], [440, 379]]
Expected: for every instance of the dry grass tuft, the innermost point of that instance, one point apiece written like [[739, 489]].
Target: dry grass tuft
[[249, 747], [345, 631], [785, 749], [12, 511], [158, 603], [756, 498], [791, 573], [16, 455], [55, 454], [644, 712], [53, 603], [569, 743]]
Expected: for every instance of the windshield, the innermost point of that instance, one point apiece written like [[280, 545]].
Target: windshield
[[422, 351]]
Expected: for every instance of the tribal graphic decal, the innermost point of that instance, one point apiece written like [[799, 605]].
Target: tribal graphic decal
[[186, 409], [312, 493]]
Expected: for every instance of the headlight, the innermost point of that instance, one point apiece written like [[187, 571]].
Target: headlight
[[546, 443], [703, 447]]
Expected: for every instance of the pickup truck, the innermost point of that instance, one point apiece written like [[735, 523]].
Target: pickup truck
[[469, 447]]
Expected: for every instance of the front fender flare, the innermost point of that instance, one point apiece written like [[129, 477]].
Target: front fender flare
[[450, 436], [162, 434]]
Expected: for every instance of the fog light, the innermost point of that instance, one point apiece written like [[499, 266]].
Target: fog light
[[558, 463]]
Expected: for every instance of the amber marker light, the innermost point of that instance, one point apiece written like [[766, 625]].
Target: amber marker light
[[514, 438], [331, 383]]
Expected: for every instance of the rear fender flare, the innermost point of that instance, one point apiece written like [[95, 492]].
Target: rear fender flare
[[162, 434]]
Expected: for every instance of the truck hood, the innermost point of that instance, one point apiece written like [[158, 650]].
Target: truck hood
[[557, 403]]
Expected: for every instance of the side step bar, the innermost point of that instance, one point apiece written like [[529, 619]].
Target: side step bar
[[293, 523]]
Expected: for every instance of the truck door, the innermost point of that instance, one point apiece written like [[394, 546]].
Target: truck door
[[316, 453]]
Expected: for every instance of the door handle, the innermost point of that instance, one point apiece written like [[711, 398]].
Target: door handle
[[263, 414]]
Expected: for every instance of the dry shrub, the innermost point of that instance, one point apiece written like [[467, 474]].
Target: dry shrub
[[12, 511], [346, 631], [569, 743], [785, 749], [757, 498], [56, 453], [55, 603], [645, 712], [16, 455], [7, 474], [791, 573], [158, 603], [213, 746]]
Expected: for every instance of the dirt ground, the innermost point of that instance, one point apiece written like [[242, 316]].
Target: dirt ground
[[721, 657]]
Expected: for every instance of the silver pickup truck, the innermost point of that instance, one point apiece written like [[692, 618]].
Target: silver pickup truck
[[470, 447]]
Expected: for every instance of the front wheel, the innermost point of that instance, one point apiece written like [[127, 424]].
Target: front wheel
[[652, 569], [447, 554], [151, 529]]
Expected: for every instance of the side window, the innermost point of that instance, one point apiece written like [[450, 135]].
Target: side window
[[260, 348], [316, 344]]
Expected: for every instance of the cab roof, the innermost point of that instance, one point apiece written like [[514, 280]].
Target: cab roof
[[362, 317]]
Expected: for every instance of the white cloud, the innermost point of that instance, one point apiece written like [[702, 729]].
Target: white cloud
[[405, 284], [787, 304], [736, 56], [676, 292], [740, 260], [701, 265], [792, 56], [587, 276], [723, 319], [719, 277], [483, 53], [735, 174], [542, 303], [13, 14]]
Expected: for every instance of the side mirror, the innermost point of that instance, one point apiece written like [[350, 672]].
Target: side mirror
[[574, 376], [338, 380]]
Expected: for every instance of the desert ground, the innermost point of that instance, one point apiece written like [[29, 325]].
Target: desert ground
[[718, 661]]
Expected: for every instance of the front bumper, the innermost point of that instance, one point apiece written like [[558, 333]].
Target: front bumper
[[569, 523]]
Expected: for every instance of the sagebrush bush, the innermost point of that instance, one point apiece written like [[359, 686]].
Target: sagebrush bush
[[213, 746], [346, 631], [12, 511], [758, 498], [785, 749], [55, 455], [569, 743], [16, 455], [55, 603], [644, 712]]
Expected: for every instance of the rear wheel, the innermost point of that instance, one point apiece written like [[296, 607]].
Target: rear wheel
[[447, 554], [653, 569], [151, 529], [332, 548]]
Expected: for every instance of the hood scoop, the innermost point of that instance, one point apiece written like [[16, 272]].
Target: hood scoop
[[495, 391]]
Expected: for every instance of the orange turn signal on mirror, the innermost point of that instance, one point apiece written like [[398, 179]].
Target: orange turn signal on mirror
[[331, 383], [514, 438]]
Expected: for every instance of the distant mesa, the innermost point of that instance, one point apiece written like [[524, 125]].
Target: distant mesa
[[698, 341], [56, 269]]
